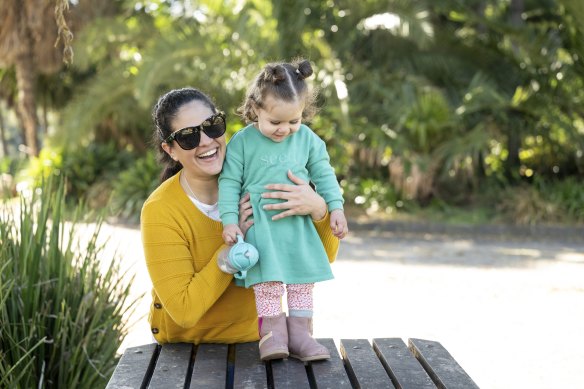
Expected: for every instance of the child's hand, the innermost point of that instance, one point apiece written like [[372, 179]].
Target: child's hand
[[230, 233], [339, 223]]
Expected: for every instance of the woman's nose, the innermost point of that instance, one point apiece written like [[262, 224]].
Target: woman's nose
[[205, 140]]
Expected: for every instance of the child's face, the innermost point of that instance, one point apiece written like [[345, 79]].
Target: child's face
[[279, 119]]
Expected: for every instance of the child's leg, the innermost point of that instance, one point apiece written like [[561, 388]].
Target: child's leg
[[268, 297], [300, 341], [300, 301], [271, 320]]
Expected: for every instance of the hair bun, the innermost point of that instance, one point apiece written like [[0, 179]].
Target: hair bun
[[304, 69], [275, 73]]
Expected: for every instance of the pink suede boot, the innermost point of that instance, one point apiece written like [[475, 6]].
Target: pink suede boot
[[301, 343], [274, 337]]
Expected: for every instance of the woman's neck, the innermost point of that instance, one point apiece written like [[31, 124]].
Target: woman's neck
[[205, 190]]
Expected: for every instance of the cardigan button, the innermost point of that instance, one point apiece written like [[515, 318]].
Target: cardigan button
[[157, 305], [155, 330]]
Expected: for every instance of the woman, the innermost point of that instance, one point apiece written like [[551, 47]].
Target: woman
[[192, 299]]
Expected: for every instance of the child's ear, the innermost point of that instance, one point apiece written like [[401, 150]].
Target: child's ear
[[254, 109]]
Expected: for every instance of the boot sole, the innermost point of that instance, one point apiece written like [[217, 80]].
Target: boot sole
[[311, 358], [276, 355]]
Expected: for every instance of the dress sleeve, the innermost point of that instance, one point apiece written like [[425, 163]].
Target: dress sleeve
[[329, 241], [230, 182], [323, 175], [185, 294]]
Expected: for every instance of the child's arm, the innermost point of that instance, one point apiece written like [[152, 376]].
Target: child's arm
[[230, 183], [325, 180], [230, 233]]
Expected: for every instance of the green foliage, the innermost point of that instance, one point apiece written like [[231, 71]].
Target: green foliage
[[9, 165], [90, 171], [60, 313], [133, 186], [544, 202], [568, 194], [466, 95], [41, 168], [525, 205], [375, 196]]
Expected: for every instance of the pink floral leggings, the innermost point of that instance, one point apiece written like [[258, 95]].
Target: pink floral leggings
[[268, 296]]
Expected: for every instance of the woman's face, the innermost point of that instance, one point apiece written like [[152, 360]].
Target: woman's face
[[205, 160]]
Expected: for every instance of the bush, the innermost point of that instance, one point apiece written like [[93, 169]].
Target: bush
[[94, 165], [60, 316], [134, 185], [375, 195], [544, 201], [568, 194]]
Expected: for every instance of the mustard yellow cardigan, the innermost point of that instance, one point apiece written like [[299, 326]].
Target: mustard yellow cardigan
[[192, 300]]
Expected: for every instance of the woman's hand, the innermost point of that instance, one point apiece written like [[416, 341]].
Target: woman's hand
[[300, 199], [245, 212]]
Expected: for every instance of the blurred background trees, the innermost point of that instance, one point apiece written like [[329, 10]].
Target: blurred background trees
[[470, 108]]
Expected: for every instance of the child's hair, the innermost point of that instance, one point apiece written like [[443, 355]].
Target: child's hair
[[283, 81], [163, 113]]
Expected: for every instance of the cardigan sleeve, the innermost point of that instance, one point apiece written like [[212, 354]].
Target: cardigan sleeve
[[185, 294], [329, 241]]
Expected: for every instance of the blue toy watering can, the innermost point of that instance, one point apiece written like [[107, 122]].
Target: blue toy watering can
[[242, 256]]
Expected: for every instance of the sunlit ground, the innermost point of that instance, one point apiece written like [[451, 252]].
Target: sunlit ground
[[511, 313]]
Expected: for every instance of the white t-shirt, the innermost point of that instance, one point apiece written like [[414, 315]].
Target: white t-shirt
[[210, 210]]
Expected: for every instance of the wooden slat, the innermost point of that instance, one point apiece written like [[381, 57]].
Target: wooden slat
[[289, 373], [403, 368], [330, 374], [364, 368], [210, 366], [250, 371], [133, 367], [440, 365], [172, 366]]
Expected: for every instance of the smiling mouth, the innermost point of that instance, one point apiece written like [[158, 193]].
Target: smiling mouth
[[208, 154]]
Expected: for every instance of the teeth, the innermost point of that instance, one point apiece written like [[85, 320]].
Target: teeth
[[208, 153]]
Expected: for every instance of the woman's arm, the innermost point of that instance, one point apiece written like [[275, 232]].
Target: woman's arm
[[301, 199], [185, 294]]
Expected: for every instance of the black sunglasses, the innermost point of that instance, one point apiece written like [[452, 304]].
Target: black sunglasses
[[189, 137]]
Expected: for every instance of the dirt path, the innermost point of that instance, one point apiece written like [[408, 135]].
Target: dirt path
[[510, 311]]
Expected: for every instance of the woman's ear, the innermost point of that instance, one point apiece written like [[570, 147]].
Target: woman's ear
[[168, 150]]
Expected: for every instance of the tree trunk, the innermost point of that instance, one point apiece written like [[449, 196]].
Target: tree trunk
[[514, 131], [45, 124], [26, 105], [517, 8], [3, 135], [291, 21]]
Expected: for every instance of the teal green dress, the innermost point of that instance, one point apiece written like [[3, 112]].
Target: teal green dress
[[290, 248]]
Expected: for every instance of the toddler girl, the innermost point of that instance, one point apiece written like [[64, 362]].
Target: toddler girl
[[272, 146]]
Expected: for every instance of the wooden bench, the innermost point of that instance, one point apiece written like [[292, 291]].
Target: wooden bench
[[386, 363]]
